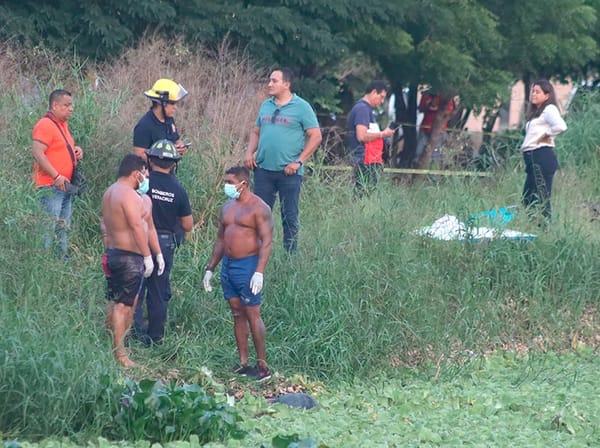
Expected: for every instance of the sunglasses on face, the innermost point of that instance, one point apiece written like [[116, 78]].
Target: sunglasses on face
[[275, 115]]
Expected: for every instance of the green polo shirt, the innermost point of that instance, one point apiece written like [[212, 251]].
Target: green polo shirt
[[283, 132]]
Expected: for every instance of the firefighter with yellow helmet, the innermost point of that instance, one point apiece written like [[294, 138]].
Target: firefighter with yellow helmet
[[159, 122]]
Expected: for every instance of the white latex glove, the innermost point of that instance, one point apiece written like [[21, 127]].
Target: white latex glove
[[256, 282], [161, 264], [148, 266], [207, 276]]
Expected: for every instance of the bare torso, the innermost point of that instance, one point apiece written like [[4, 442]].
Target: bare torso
[[240, 227], [124, 212]]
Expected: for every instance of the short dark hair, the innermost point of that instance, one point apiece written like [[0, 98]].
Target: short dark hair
[[161, 163], [377, 85], [57, 95], [287, 75], [129, 164], [240, 172]]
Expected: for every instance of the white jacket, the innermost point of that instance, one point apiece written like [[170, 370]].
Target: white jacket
[[549, 123]]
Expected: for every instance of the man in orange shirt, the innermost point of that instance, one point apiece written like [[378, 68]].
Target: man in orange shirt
[[53, 167]]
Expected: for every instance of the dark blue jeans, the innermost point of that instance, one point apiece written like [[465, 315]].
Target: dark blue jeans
[[540, 166], [157, 292], [269, 183]]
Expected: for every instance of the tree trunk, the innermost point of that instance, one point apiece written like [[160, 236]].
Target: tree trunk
[[406, 113], [527, 86], [489, 121], [459, 118], [436, 129]]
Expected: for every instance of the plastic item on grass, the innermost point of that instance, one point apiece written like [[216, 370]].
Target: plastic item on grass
[[449, 228], [495, 217]]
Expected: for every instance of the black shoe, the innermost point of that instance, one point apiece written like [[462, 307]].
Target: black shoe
[[143, 339], [244, 370], [262, 373]]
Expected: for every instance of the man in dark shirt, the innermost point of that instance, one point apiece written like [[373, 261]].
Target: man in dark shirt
[[170, 209], [159, 123], [365, 138]]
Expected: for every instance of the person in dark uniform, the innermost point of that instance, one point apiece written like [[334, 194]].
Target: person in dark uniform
[[159, 122], [170, 210]]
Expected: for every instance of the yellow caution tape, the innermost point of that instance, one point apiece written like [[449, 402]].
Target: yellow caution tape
[[412, 171]]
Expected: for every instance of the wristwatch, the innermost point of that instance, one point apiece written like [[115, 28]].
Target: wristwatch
[[298, 161]]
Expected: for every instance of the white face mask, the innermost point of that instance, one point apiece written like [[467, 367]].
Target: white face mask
[[231, 190], [143, 186]]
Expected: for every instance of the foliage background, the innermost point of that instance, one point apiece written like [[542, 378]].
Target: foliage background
[[363, 296], [364, 299], [473, 48]]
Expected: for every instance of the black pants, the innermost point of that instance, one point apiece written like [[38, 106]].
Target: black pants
[[157, 293], [540, 166], [366, 177]]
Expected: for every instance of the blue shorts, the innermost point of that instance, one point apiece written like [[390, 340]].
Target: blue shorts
[[235, 279]]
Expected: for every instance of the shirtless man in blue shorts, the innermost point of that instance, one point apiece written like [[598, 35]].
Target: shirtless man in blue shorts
[[244, 243], [129, 239]]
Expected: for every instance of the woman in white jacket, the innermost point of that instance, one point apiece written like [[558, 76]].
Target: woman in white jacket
[[544, 122]]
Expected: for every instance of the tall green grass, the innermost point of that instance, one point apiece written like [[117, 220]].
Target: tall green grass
[[364, 295]]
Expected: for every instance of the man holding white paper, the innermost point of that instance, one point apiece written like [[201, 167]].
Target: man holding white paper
[[365, 138]]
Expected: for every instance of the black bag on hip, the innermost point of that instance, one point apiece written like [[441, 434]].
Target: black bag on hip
[[79, 183]]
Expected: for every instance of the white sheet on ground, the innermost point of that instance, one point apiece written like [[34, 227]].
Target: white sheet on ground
[[449, 228]]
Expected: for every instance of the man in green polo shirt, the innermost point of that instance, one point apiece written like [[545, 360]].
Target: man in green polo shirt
[[286, 134]]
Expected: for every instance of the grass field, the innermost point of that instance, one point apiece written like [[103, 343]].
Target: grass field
[[541, 400], [404, 340]]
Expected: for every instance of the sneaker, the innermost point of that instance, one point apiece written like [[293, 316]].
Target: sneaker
[[262, 373], [244, 370]]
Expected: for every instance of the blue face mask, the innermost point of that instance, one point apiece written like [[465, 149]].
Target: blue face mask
[[144, 186], [231, 191]]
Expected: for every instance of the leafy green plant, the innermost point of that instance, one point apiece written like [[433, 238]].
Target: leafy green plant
[[159, 412], [364, 296]]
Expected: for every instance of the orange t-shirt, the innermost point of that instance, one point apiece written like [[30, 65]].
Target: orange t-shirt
[[46, 132]]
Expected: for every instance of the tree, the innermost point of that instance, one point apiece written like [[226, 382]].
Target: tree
[[455, 49], [592, 68], [547, 38], [94, 29], [310, 37], [543, 39], [473, 48], [313, 38]]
